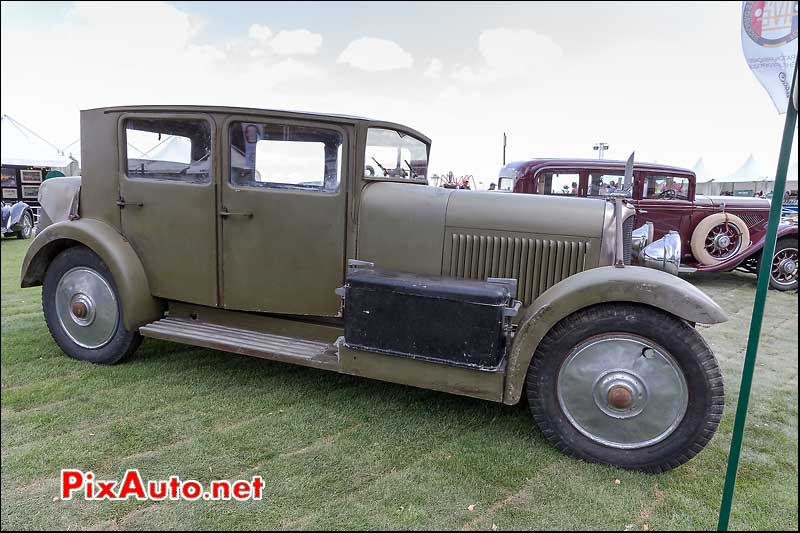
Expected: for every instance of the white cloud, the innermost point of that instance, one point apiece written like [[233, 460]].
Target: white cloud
[[508, 50], [510, 53], [296, 42], [259, 33], [375, 55], [290, 69], [145, 53], [434, 70]]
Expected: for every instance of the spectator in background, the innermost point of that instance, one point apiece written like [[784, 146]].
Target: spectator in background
[[492, 186], [574, 191]]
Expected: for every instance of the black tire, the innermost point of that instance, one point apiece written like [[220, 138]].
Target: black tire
[[784, 245], [700, 371], [122, 342], [27, 230]]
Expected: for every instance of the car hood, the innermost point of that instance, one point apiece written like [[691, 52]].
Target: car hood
[[733, 201]]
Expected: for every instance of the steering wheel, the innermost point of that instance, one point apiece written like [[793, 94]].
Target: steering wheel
[[370, 170], [669, 194]]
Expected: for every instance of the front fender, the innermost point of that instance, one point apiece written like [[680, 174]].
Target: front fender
[[602, 285], [138, 305]]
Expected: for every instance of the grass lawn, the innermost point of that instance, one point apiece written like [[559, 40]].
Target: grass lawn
[[342, 452]]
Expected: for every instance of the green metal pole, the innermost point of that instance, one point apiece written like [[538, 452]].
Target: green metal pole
[[758, 314]]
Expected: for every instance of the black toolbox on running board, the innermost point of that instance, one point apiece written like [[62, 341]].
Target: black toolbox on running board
[[449, 320]]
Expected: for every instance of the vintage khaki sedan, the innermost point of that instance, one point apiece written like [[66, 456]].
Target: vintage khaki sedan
[[315, 240]]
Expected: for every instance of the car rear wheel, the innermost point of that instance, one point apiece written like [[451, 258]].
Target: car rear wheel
[[626, 385], [783, 271], [26, 226], [82, 308]]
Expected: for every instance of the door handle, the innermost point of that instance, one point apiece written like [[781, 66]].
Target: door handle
[[122, 203], [225, 213]]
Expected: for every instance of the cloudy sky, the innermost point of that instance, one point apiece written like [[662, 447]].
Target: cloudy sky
[[666, 80]]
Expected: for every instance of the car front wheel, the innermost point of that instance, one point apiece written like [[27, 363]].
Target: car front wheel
[[626, 385], [82, 308]]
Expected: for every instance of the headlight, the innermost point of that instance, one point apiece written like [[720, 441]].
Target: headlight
[[641, 237], [663, 254]]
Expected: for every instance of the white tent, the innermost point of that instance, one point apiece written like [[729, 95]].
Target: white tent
[[21, 146], [751, 177], [701, 171]]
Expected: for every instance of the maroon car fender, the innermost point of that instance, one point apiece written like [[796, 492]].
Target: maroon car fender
[[754, 248]]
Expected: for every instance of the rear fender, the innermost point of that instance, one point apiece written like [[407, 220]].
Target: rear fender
[[138, 305], [596, 286]]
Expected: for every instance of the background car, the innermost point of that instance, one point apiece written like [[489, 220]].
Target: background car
[[717, 233], [18, 220]]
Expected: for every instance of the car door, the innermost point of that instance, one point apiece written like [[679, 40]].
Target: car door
[[665, 201], [283, 213], [168, 202]]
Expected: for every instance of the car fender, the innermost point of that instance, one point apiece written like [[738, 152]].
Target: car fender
[[17, 211], [138, 305], [602, 285]]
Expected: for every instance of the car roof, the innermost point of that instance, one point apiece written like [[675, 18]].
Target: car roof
[[282, 113], [536, 164]]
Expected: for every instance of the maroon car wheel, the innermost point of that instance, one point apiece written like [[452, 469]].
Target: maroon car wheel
[[783, 270]]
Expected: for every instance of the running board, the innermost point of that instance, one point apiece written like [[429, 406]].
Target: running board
[[686, 269], [244, 341]]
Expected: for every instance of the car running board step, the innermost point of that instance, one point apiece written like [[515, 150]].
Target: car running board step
[[243, 341]]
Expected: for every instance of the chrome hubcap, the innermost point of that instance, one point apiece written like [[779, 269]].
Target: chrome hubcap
[[86, 307], [622, 391], [723, 241], [784, 266]]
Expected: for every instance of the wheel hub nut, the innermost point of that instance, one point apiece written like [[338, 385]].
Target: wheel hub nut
[[79, 309], [620, 397]]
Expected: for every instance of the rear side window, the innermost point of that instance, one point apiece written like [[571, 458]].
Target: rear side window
[[557, 183], [169, 149], [280, 156], [604, 183]]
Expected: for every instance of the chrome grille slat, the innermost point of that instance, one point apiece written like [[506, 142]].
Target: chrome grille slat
[[536, 264]]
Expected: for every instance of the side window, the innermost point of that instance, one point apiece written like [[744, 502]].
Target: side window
[[506, 184], [557, 183], [285, 156], [666, 188], [603, 183], [169, 149], [391, 154]]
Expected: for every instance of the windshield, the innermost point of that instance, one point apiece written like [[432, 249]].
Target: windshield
[[392, 154]]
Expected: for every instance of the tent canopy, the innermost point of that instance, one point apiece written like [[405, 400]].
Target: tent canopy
[[21, 146]]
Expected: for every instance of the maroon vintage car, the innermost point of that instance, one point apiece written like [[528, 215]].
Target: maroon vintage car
[[704, 233]]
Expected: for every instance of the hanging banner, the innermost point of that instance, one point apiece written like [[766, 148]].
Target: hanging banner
[[769, 42]]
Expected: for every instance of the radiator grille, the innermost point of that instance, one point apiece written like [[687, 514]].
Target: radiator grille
[[627, 240], [536, 264], [751, 219]]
